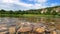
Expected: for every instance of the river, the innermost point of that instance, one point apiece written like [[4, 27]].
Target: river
[[12, 21]]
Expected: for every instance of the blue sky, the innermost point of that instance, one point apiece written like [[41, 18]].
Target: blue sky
[[27, 4]]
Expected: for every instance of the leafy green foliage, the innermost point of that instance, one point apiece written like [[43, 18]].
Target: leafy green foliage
[[36, 11]]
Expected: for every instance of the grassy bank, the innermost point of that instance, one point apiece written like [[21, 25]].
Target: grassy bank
[[27, 15]]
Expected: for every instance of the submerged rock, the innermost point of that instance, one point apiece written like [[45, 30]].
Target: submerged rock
[[36, 28]]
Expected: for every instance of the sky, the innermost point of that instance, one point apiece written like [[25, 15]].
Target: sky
[[27, 4]]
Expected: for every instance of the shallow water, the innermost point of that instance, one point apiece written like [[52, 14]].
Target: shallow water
[[11, 21], [14, 21]]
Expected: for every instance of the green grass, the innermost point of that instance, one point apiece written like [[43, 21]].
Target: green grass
[[36, 15], [26, 15]]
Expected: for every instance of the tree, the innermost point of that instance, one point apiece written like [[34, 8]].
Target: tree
[[54, 13], [11, 12], [48, 12], [2, 11], [58, 14]]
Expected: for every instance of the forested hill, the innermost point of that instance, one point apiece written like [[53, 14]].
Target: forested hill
[[48, 10], [45, 11]]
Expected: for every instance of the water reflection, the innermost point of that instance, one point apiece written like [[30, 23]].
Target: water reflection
[[13, 24]]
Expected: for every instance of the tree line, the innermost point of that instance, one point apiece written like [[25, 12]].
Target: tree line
[[48, 12], [36, 11]]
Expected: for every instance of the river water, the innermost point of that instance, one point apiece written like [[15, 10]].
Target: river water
[[14, 21], [11, 21]]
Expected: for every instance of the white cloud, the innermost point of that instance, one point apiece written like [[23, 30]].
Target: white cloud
[[10, 1], [8, 4], [54, 4], [41, 1]]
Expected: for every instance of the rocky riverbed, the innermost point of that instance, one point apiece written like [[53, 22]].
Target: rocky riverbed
[[28, 26]]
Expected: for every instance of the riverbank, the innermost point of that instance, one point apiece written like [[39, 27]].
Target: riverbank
[[27, 15]]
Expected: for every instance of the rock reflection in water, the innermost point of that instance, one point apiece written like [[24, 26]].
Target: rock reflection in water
[[28, 25]]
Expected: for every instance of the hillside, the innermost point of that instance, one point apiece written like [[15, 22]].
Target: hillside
[[45, 11]]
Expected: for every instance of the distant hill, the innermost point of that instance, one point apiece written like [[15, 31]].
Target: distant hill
[[51, 9], [55, 10]]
